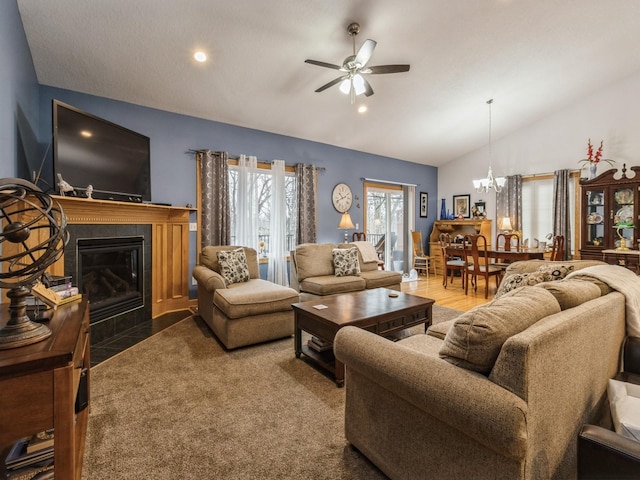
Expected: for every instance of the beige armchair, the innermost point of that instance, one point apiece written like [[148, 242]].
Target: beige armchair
[[242, 313]]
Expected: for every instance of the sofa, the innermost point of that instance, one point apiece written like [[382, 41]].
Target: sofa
[[502, 391], [313, 272], [249, 310]]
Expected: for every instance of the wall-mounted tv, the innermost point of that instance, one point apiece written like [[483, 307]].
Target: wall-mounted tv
[[88, 150]]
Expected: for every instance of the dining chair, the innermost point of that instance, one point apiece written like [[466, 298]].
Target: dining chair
[[421, 261], [475, 247], [451, 263], [506, 241], [557, 250], [359, 236]]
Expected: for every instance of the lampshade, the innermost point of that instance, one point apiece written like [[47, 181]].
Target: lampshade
[[505, 224], [486, 184], [345, 222]]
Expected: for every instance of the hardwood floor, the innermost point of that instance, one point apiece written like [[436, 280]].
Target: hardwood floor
[[453, 296]]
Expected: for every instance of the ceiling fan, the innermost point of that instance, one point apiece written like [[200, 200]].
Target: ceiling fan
[[354, 67]]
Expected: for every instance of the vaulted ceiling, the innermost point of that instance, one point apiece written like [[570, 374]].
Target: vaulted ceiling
[[532, 56]]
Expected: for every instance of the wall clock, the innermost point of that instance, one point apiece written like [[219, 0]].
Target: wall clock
[[342, 197]]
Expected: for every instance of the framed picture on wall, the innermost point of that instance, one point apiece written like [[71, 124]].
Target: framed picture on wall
[[424, 204], [462, 206]]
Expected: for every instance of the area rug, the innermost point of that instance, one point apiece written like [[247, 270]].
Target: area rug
[[178, 406]]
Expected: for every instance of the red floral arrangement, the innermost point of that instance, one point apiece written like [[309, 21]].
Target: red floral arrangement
[[595, 157]]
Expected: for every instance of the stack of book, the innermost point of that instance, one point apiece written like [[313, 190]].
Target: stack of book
[[30, 456], [55, 296], [319, 345]]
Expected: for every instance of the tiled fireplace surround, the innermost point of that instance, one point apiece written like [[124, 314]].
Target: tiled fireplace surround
[[109, 327], [165, 231]]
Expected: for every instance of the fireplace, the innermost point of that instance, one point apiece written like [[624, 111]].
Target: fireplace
[[110, 273], [134, 306]]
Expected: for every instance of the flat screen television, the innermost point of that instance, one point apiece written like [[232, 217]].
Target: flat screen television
[[88, 150]]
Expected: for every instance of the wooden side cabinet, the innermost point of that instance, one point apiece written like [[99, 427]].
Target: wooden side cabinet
[[39, 385], [453, 228]]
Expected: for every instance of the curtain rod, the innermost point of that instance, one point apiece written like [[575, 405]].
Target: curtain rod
[[231, 157], [389, 181]]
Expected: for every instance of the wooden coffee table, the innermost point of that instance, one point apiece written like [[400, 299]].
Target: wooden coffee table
[[380, 310]]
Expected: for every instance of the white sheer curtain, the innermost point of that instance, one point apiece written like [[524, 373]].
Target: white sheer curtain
[[247, 204], [277, 271], [409, 192]]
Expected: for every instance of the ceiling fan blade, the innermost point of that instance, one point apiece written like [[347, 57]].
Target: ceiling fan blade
[[365, 52], [323, 64], [331, 83], [386, 69], [368, 91]]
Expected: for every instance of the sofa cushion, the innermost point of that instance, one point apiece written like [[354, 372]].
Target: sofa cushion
[[381, 278], [624, 401], [254, 297], [233, 266], [314, 260], [345, 262], [330, 284], [439, 330], [476, 337], [571, 293]]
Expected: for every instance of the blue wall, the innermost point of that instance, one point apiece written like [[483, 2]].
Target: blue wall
[[19, 151]]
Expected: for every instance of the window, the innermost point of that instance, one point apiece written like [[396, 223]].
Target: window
[[385, 225], [262, 192], [537, 208]]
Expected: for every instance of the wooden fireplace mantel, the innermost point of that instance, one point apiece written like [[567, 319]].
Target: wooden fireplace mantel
[[169, 237]]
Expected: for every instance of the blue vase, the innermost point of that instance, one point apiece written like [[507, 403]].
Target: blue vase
[[443, 209]]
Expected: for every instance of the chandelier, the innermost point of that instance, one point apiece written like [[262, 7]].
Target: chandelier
[[486, 184]]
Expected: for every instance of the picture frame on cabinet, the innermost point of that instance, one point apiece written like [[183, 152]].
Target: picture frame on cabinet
[[462, 206], [424, 204]]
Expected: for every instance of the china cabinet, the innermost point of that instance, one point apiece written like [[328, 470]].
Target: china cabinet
[[609, 212]]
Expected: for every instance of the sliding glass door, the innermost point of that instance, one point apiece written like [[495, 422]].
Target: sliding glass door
[[385, 224]]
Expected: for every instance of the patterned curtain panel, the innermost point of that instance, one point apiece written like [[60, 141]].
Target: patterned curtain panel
[[307, 182], [561, 209], [214, 185], [509, 202]]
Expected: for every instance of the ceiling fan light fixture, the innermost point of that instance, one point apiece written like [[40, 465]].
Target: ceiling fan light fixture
[[358, 84], [345, 86]]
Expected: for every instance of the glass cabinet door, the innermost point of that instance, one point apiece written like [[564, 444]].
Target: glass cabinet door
[[622, 214], [594, 217]]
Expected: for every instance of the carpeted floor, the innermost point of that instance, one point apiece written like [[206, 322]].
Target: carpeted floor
[[177, 406]]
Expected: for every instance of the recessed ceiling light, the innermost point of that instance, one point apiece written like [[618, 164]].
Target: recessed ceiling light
[[200, 56], [362, 108], [86, 133]]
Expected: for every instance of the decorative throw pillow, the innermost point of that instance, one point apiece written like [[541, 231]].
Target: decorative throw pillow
[[624, 400], [556, 271], [233, 266], [345, 261], [516, 280]]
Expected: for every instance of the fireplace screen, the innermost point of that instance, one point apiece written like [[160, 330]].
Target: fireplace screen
[[110, 273]]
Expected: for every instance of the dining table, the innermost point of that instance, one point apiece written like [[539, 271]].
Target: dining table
[[513, 255]]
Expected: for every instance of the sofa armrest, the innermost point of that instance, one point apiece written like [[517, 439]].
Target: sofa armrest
[[603, 454], [208, 279], [632, 355], [466, 401]]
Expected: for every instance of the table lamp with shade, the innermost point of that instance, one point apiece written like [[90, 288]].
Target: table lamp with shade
[[345, 224], [504, 225]]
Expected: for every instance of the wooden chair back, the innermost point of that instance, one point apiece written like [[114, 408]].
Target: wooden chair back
[[418, 250], [475, 247], [508, 240], [359, 236], [557, 250]]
